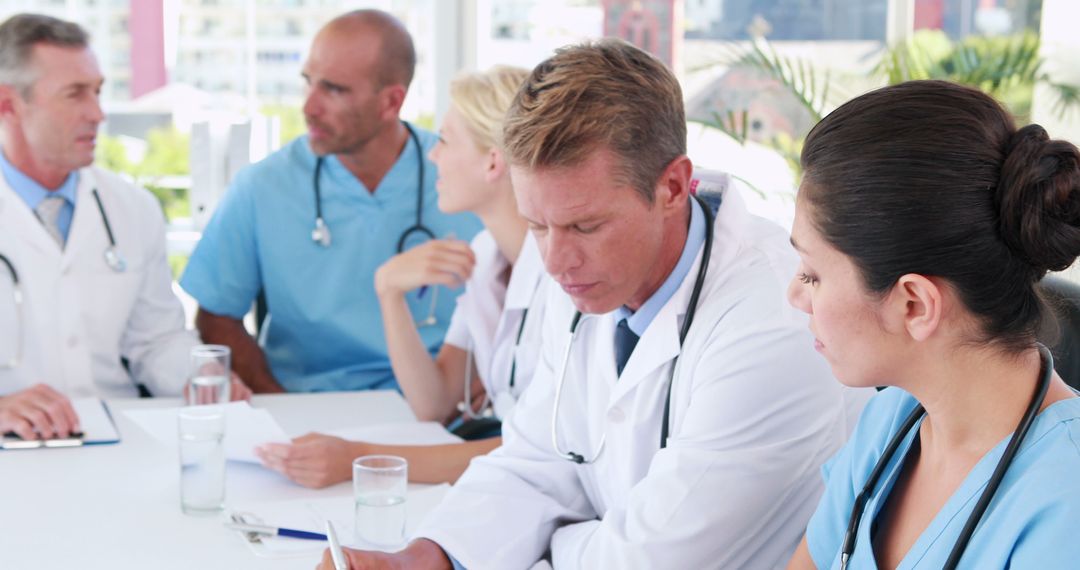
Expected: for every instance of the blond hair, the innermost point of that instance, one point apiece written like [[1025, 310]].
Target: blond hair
[[598, 95], [482, 99]]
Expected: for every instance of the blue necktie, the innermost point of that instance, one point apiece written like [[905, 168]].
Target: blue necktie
[[625, 341]]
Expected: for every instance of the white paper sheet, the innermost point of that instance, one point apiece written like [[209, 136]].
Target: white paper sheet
[[414, 433], [245, 428], [94, 420], [312, 514]]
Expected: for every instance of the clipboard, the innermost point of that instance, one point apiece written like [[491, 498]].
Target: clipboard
[[94, 418]]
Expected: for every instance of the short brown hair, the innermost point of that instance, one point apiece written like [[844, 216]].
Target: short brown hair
[[605, 94]]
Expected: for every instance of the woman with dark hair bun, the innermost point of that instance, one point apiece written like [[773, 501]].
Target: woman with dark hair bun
[[924, 221]]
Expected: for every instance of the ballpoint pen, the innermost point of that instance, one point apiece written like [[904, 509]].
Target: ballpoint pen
[[275, 531], [335, 548]]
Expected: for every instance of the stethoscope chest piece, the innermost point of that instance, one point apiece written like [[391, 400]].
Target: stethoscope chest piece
[[114, 260]]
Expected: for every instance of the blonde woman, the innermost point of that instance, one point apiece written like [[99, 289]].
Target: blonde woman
[[491, 345]]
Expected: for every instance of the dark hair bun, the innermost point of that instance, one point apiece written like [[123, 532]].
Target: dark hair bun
[[1039, 200]]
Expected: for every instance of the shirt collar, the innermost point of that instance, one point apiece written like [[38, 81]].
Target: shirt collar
[[639, 320], [33, 193]]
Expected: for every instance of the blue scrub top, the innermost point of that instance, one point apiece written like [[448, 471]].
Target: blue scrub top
[[325, 330], [1031, 522]]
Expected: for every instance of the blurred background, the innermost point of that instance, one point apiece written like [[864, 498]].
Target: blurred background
[[196, 89]]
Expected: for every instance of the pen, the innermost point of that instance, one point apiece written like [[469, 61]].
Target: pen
[[275, 531], [335, 548]]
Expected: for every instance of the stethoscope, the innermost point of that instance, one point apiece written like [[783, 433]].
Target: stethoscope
[[112, 258], [321, 233], [691, 310], [991, 487], [17, 297], [485, 410]]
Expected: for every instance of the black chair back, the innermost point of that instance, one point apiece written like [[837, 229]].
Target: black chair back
[[1063, 336]]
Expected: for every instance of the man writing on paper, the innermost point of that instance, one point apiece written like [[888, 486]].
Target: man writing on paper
[[85, 248], [678, 418], [309, 225]]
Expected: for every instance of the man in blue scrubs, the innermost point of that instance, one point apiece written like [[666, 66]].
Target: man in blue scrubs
[[324, 330]]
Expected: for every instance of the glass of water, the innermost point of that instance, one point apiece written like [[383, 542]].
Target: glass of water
[[202, 459], [379, 484], [208, 379]]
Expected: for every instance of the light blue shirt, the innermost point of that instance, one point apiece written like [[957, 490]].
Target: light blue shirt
[[325, 331], [1031, 522], [33, 193], [639, 320]]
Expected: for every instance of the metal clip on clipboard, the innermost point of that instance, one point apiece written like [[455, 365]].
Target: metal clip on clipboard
[[12, 441]]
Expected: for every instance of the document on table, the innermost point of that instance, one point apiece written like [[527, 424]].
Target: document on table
[[312, 514], [245, 428], [402, 433], [94, 420]]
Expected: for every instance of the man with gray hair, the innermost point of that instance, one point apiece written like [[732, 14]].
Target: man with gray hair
[[81, 247]]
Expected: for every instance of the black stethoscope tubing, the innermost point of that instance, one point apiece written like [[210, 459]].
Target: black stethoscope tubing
[[691, 310], [418, 227], [1007, 457]]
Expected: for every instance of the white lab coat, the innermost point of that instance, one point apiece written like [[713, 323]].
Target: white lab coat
[[489, 315], [80, 316], [754, 414]]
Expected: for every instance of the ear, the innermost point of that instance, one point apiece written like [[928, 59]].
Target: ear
[[391, 98], [8, 99], [916, 305], [673, 188], [496, 166]]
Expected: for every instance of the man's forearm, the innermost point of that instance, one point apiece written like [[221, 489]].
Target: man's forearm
[[248, 359]]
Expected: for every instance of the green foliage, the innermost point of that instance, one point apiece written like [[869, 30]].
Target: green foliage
[[1006, 67], [177, 263], [112, 155], [797, 74], [167, 154], [291, 118]]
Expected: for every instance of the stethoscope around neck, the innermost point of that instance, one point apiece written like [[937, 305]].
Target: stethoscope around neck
[[320, 234], [575, 323], [851, 535], [113, 259]]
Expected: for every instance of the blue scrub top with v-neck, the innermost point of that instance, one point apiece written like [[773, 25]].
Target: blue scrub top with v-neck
[[1032, 521], [325, 330]]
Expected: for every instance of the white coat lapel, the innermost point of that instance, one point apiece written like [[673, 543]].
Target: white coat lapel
[[660, 343], [24, 225], [81, 236]]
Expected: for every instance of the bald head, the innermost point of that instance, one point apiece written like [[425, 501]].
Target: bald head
[[396, 59]]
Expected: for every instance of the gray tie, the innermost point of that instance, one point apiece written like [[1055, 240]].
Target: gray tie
[[48, 211]]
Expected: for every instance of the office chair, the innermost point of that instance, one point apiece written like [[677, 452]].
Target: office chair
[[1063, 336]]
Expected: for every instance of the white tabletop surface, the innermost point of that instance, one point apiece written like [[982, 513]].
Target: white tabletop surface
[[117, 506]]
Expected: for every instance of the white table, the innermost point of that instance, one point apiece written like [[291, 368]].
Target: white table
[[117, 506]]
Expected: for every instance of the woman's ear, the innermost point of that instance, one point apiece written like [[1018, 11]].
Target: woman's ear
[[496, 167], [916, 306]]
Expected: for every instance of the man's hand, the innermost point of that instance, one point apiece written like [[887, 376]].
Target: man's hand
[[421, 554], [38, 411], [313, 460]]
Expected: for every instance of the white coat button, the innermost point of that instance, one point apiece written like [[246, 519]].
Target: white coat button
[[616, 415], [73, 341]]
